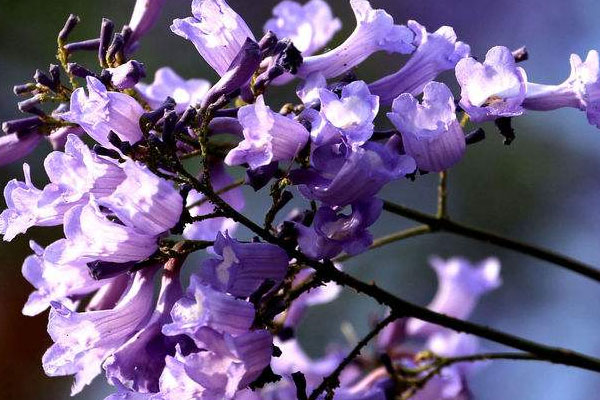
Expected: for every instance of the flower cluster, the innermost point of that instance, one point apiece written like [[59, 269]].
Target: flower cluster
[[132, 212]]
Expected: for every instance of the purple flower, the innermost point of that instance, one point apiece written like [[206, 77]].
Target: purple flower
[[83, 340], [58, 138], [101, 111], [460, 285], [168, 84], [92, 236], [333, 233], [336, 169], [375, 31], [208, 229], [310, 26], [216, 30], [54, 282], [308, 89], [353, 112], [144, 16], [243, 267], [73, 175], [127, 75], [581, 90], [204, 307], [144, 201], [209, 375], [268, 137], [139, 362], [494, 88], [436, 52], [15, 146], [430, 132]]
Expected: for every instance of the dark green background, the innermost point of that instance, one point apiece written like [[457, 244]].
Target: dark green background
[[543, 189]]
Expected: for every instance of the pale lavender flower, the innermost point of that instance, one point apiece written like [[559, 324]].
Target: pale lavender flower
[[336, 169], [58, 137], [144, 16], [375, 31], [581, 90], [82, 340], [430, 131], [310, 26], [144, 201], [436, 52], [492, 89], [127, 75], [90, 235], [460, 285], [73, 175], [216, 31], [204, 307], [208, 229], [308, 89], [54, 282], [242, 267], [268, 137], [101, 111], [333, 232], [168, 84], [139, 362], [15, 146], [353, 112], [209, 375]]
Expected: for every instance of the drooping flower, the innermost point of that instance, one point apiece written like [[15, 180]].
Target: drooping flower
[[74, 175], [216, 31], [144, 16], [101, 111], [353, 112], [310, 26], [268, 136], [460, 285], [127, 75], [492, 89], [375, 31], [580, 90], [82, 340], [208, 229], [336, 169], [243, 267], [14, 146], [436, 52], [430, 131], [333, 233], [168, 84]]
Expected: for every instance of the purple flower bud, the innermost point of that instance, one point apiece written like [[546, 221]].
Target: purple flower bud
[[242, 267], [268, 137], [86, 45], [208, 229], [54, 282], [127, 75], [353, 113], [333, 233], [436, 52], [460, 285], [144, 16], [21, 125], [168, 84], [216, 30], [494, 88], [581, 90], [106, 32], [82, 340], [15, 146], [375, 31], [101, 111], [430, 132], [239, 73], [70, 24]]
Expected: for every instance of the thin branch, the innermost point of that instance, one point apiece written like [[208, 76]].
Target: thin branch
[[446, 225], [332, 381], [442, 210], [399, 306], [225, 189]]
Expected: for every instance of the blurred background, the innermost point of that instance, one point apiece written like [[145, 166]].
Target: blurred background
[[543, 189]]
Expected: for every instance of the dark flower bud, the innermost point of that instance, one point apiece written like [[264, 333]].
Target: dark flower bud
[[106, 32], [84, 45], [23, 89], [475, 137], [23, 124], [79, 70], [70, 24], [127, 75], [43, 79], [104, 270], [115, 50]]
